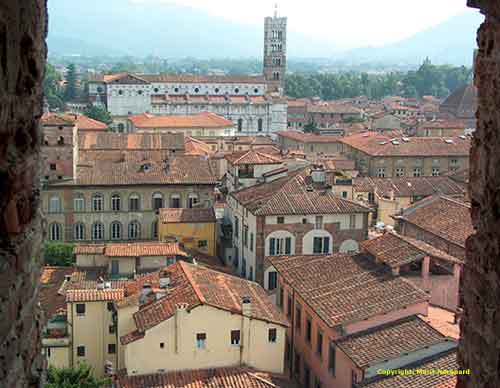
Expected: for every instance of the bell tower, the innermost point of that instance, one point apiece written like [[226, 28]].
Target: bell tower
[[275, 51]]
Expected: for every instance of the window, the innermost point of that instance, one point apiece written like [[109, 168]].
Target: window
[[280, 300], [48, 352], [296, 366], [454, 162], [371, 197], [332, 358], [236, 90], [272, 280], [308, 329], [112, 329], [134, 230], [321, 245], [280, 246], [175, 201], [417, 172], [298, 318], [245, 235], [54, 204], [260, 125], [344, 194], [134, 203], [236, 227], [435, 171], [280, 220], [400, 171], [79, 203], [111, 348], [318, 222], [201, 340], [97, 231], [60, 141], [154, 229], [162, 345], [352, 221], [317, 383], [192, 201], [353, 378], [202, 244], [251, 242], [319, 343], [289, 307], [79, 231], [381, 172], [115, 202], [53, 166], [240, 125], [157, 201], [116, 230], [55, 232], [272, 335], [307, 376], [80, 308], [235, 337], [80, 351], [97, 202]]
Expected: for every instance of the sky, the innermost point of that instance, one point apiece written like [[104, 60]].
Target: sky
[[368, 22]]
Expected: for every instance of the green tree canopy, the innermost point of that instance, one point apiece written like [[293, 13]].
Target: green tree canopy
[[58, 253], [80, 377], [98, 113], [71, 91], [51, 88]]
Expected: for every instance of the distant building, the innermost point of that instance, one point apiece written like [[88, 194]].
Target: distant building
[[193, 228], [461, 104], [311, 144], [441, 128], [292, 214], [378, 155], [199, 125], [275, 52]]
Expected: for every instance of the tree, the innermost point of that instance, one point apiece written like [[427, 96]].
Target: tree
[[71, 91], [52, 89], [98, 113], [79, 377], [58, 253]]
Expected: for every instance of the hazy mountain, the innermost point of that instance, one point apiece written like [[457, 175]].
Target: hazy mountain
[[123, 27], [166, 30], [451, 42]]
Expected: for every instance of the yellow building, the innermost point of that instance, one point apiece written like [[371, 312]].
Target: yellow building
[[187, 317], [193, 228]]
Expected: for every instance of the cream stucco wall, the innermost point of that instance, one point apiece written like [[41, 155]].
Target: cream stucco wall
[[125, 324], [180, 352]]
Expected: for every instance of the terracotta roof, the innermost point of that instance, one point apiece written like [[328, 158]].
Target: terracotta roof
[[252, 157], [442, 216], [200, 120], [177, 78], [332, 107], [294, 194], [181, 215], [443, 124], [197, 285], [210, 99], [462, 102], [93, 295], [446, 360], [131, 141], [181, 169], [51, 280], [408, 186], [396, 250], [308, 137], [343, 288], [88, 249], [137, 249], [87, 124], [443, 321], [390, 341], [59, 119], [375, 144], [232, 377], [194, 146], [336, 163]]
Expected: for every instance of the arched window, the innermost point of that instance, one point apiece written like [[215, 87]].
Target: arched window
[[192, 200], [97, 203], [97, 231], [55, 232], [259, 125], [79, 202], [116, 230], [276, 76], [240, 125], [134, 230], [134, 202], [60, 141], [116, 202], [236, 90], [121, 127], [154, 229], [79, 231], [157, 201], [175, 201], [54, 204]]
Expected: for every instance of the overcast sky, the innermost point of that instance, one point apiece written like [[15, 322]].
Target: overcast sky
[[348, 23]]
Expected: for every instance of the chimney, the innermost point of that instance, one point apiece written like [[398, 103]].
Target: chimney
[[164, 279], [146, 290], [318, 173], [180, 313], [246, 310]]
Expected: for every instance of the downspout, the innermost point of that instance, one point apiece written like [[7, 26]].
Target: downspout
[[292, 336]]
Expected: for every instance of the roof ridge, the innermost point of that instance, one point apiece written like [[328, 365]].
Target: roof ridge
[[187, 271]]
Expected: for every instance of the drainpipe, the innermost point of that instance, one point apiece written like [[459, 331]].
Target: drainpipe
[[292, 336]]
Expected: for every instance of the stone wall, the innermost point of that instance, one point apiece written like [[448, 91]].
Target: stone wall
[[23, 28], [480, 326]]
